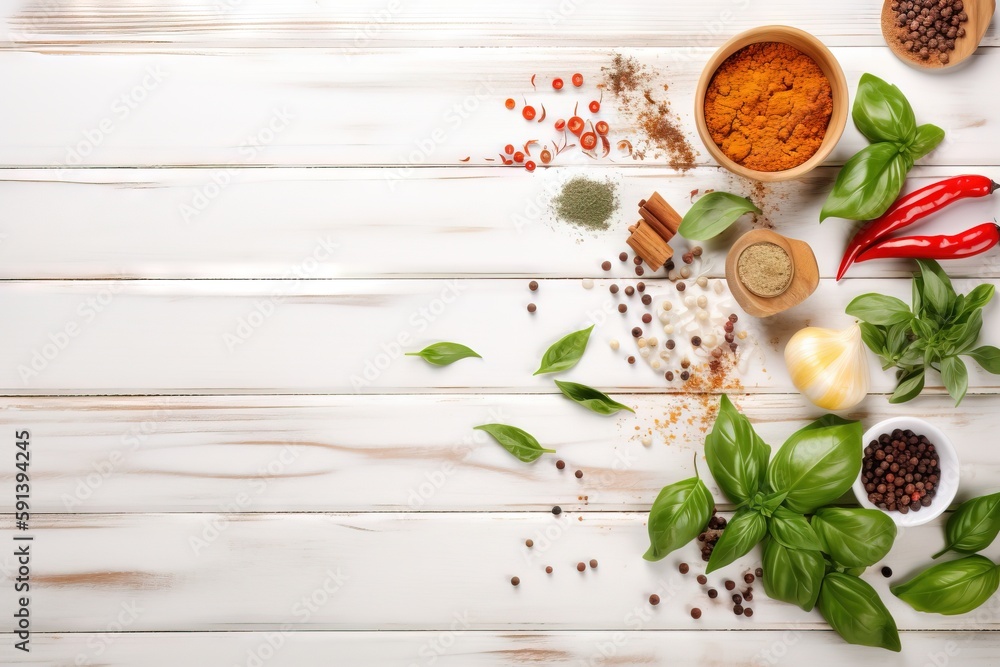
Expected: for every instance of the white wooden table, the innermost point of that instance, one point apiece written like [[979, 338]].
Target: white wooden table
[[213, 221]]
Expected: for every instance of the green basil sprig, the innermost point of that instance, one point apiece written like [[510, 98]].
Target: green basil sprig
[[519, 443], [854, 610], [793, 531], [736, 455], [443, 354], [713, 214], [973, 526], [854, 537], [679, 514], [791, 575], [817, 464], [936, 331], [955, 587], [871, 180], [565, 352], [742, 533], [591, 398]]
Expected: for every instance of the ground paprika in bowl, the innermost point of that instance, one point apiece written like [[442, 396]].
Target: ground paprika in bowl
[[771, 103]]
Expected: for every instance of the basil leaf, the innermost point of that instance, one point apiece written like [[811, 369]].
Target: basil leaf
[[818, 463], [793, 531], [936, 292], [713, 214], [854, 537], [565, 352], [963, 336], [896, 340], [921, 327], [591, 398], [741, 534], [956, 377], [443, 354], [909, 387], [882, 113], [680, 512], [868, 183], [879, 309], [735, 453], [854, 610], [873, 336], [792, 575], [955, 587], [927, 138], [988, 357], [915, 299], [979, 297], [519, 443], [973, 526]]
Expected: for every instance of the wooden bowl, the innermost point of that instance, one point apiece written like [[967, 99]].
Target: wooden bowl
[[805, 274], [980, 13], [808, 45]]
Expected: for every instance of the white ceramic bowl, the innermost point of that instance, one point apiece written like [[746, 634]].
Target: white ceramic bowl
[[947, 459]]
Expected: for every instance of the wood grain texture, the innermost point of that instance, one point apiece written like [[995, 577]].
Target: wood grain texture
[[354, 223], [462, 648], [323, 572], [388, 107], [163, 24], [348, 336], [322, 453]]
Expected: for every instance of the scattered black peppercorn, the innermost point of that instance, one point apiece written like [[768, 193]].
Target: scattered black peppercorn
[[646, 299], [685, 376], [647, 318], [581, 567], [631, 360], [514, 581], [532, 307], [593, 564], [681, 287], [759, 572], [637, 260], [629, 290], [730, 584], [683, 568], [613, 289], [696, 341], [654, 599], [623, 256], [886, 571], [622, 308], [738, 609], [748, 612], [529, 543], [579, 474], [641, 286], [639, 271], [671, 344], [557, 510], [702, 579], [636, 332], [548, 569], [560, 464], [533, 285], [696, 613], [737, 598], [606, 266], [712, 593], [748, 578], [748, 596], [669, 375]]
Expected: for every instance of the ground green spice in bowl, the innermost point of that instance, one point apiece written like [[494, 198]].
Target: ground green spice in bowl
[[586, 202]]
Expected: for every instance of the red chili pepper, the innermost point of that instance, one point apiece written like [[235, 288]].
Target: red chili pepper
[[913, 207], [971, 242]]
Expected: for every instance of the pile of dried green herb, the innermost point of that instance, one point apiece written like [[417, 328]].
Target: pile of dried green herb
[[586, 202]]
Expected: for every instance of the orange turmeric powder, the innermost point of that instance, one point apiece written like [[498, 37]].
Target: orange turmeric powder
[[768, 106]]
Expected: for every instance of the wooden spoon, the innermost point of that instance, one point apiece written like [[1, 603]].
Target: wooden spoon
[[980, 13]]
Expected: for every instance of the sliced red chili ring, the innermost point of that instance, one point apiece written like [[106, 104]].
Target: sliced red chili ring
[[519, 157], [529, 165], [588, 141], [577, 79], [594, 106], [557, 83], [575, 125], [601, 127], [510, 103], [560, 124], [528, 112]]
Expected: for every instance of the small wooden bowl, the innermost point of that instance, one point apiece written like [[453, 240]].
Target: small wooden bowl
[[980, 13], [805, 274], [808, 45]]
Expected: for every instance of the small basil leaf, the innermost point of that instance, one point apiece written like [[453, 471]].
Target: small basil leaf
[[741, 534], [988, 357], [735, 453], [565, 352], [519, 443], [979, 297], [963, 336], [713, 214], [792, 575], [793, 531], [929, 267], [923, 328], [956, 377], [854, 537], [973, 526], [916, 301], [818, 463], [955, 587], [928, 138], [909, 387], [769, 504], [874, 337], [879, 309], [443, 354], [591, 398], [868, 183], [882, 113], [678, 515], [854, 610], [936, 292]]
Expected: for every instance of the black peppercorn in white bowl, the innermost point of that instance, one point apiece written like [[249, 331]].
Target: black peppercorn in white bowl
[[910, 471]]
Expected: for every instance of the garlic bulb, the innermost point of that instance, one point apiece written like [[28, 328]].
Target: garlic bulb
[[829, 367]]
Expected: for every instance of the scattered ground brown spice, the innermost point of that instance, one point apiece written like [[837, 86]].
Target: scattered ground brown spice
[[632, 85]]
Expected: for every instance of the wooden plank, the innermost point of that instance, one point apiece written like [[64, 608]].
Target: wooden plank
[[325, 453], [407, 571], [348, 336], [461, 648], [402, 108], [353, 223], [163, 24]]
